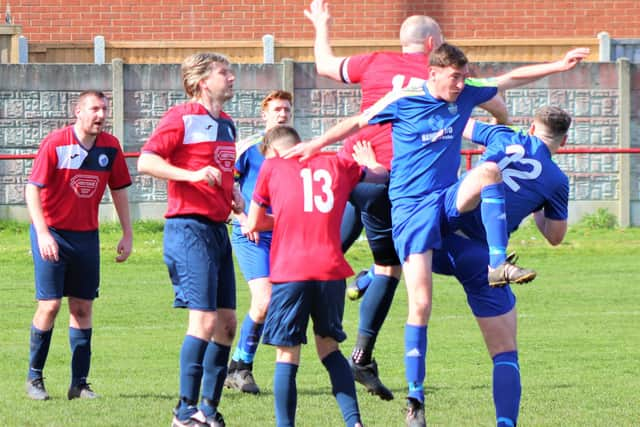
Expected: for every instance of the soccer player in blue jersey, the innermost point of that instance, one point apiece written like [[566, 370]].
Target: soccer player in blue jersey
[[252, 248], [428, 118], [533, 184]]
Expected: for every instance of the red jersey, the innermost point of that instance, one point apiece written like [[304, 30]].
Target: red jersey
[[73, 179], [378, 73], [190, 138], [307, 200]]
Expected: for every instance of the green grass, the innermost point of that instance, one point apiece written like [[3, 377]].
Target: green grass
[[579, 339]]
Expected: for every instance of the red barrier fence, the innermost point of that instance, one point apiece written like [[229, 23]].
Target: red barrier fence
[[467, 153]]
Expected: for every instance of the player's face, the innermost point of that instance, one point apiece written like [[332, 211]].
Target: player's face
[[91, 114], [277, 112], [219, 84], [448, 82]]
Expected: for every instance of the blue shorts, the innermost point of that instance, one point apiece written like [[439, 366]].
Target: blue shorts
[[470, 223], [198, 255], [253, 258], [467, 260], [291, 305], [77, 271], [417, 223]]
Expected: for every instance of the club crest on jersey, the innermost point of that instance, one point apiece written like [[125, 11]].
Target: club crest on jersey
[[453, 108], [84, 186], [103, 160], [225, 157]]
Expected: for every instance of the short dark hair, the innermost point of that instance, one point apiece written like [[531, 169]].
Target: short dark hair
[[448, 55], [555, 119], [278, 132], [91, 92]]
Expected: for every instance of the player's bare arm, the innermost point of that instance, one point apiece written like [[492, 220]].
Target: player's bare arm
[[530, 73], [498, 109], [338, 132], [552, 230], [327, 64], [154, 165], [46, 243], [258, 219], [121, 203]]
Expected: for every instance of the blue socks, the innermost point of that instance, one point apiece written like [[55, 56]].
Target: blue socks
[[80, 343], [506, 388], [494, 220], [376, 303], [39, 343], [215, 371], [191, 356], [285, 393], [415, 359], [250, 334], [343, 387]]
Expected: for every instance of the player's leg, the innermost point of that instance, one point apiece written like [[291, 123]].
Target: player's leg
[[240, 374], [253, 260], [82, 281], [494, 309], [216, 357], [186, 253], [483, 185], [351, 226], [418, 278], [500, 336], [286, 328], [49, 286], [375, 305], [327, 312]]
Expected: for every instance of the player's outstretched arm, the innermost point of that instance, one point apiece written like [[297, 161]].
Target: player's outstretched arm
[[337, 133], [121, 203], [258, 219], [530, 73], [327, 64], [552, 230]]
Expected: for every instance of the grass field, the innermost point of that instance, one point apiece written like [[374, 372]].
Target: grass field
[[579, 339]]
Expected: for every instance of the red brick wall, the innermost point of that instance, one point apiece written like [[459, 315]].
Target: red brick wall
[[81, 20]]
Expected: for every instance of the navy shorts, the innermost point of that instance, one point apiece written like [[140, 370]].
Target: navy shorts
[[198, 255], [291, 305], [253, 258], [372, 200], [467, 260], [77, 271]]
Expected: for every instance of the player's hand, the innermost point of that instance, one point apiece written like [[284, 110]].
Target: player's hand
[[124, 248], [304, 150], [48, 247], [253, 236], [211, 174], [364, 155], [318, 13], [237, 203], [573, 57]]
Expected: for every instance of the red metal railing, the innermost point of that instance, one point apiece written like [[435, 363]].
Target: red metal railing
[[468, 154]]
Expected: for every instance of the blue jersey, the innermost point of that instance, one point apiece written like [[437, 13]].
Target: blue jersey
[[427, 136], [248, 163], [533, 181]]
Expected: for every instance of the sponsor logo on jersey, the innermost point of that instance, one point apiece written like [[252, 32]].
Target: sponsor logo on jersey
[[225, 157], [84, 186]]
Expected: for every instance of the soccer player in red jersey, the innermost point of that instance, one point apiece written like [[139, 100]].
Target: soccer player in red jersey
[[193, 148], [71, 171], [308, 268]]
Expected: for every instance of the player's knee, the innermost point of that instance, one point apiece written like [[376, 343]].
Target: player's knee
[[226, 326], [48, 309], [490, 172]]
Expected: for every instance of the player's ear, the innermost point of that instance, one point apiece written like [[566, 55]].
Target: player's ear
[[564, 140], [532, 129]]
